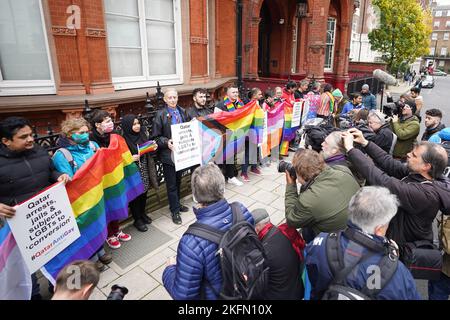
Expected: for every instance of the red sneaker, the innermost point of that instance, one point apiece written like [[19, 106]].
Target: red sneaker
[[123, 236], [245, 177], [255, 170], [113, 243]]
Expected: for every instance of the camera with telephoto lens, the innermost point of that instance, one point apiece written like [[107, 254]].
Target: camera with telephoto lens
[[117, 293], [393, 108], [284, 166]]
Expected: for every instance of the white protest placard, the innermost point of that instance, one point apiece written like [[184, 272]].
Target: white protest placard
[[43, 226], [186, 142], [217, 110], [296, 114]]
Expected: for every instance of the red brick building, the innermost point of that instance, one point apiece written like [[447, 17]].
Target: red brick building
[[54, 54]]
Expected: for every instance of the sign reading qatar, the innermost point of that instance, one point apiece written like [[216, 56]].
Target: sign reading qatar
[[44, 225]]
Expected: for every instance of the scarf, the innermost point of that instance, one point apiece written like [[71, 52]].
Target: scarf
[[132, 138], [230, 105], [102, 140]]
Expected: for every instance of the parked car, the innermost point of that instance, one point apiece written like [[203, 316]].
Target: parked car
[[439, 73], [428, 82]]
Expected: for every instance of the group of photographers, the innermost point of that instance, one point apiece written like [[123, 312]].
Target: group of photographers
[[376, 151]]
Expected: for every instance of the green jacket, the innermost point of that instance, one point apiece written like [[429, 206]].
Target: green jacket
[[407, 132], [323, 206]]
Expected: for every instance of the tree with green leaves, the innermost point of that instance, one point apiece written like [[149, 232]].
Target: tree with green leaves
[[403, 33]]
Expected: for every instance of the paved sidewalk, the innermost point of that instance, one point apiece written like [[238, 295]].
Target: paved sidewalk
[[144, 277]]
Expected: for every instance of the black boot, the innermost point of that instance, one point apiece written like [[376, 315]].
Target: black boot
[[140, 225], [146, 219], [176, 218]]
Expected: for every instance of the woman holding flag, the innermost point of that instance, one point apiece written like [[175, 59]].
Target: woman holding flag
[[138, 142]]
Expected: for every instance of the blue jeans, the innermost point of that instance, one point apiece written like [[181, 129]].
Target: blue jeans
[[439, 289]]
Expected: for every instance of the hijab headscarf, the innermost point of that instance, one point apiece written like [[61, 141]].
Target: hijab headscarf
[[133, 138]]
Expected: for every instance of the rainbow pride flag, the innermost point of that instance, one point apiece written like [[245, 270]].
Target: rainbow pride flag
[[15, 279], [223, 133], [275, 121], [147, 147], [99, 193]]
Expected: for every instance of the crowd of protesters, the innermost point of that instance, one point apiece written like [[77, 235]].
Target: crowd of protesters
[[359, 199]]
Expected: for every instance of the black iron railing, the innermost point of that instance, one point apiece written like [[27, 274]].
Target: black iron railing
[[155, 198]]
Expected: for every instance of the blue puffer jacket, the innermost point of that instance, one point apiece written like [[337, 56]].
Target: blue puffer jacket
[[400, 287], [196, 257], [80, 153]]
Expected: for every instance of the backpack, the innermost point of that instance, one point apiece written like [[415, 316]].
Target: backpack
[[245, 274], [339, 288], [68, 156]]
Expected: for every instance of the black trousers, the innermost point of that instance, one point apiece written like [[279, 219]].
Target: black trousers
[[137, 206], [173, 183], [229, 170]]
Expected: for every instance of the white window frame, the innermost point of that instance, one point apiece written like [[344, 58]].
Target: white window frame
[[330, 68], [448, 13], [443, 51], [434, 36], [438, 13], [31, 87], [446, 36], [146, 80], [447, 24], [436, 24], [432, 51], [441, 63]]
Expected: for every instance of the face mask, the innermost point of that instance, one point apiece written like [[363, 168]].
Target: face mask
[[80, 138], [108, 127]]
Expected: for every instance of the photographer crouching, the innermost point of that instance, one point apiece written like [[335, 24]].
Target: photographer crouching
[[322, 205], [77, 281]]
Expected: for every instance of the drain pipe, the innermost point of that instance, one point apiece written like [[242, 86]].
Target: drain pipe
[[240, 83]]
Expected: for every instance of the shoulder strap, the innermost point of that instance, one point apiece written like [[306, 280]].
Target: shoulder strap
[[206, 232], [67, 155], [388, 266], [334, 255], [237, 212]]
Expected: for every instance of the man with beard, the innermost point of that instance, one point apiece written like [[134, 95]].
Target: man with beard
[[199, 108]]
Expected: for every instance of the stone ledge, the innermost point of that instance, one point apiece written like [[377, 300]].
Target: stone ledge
[[14, 104]]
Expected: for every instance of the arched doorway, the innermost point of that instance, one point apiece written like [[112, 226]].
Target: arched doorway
[[265, 30]]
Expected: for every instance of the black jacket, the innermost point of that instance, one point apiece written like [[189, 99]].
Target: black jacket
[[162, 133], [429, 132], [420, 199], [193, 112], [383, 137], [285, 268], [24, 174]]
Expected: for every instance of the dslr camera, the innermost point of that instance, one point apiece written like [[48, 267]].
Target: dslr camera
[[117, 293], [393, 108], [284, 166]]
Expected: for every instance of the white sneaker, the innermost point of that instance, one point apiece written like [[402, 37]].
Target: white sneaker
[[235, 181]]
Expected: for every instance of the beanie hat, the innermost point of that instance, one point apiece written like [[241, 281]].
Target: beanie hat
[[365, 86], [259, 215], [337, 93]]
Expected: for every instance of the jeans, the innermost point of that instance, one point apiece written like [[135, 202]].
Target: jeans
[[173, 183], [439, 289]]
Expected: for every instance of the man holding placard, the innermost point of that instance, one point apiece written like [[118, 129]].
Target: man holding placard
[[25, 169], [161, 132]]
